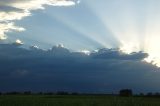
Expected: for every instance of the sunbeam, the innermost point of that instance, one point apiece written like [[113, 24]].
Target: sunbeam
[[80, 31], [134, 23], [130, 25], [87, 24], [79, 47]]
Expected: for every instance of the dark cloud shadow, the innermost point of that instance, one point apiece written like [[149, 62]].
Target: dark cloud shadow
[[60, 69]]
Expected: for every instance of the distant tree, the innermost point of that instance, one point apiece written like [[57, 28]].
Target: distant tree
[[13, 93], [141, 94], [74, 93], [157, 94], [40, 93], [0, 93], [27, 93], [62, 93], [125, 92], [49, 93], [149, 94]]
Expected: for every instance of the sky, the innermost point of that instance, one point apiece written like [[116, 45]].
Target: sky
[[103, 45]]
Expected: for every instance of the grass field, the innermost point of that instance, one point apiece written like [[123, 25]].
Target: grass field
[[79, 100]]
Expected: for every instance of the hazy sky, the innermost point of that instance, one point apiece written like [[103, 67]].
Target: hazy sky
[[82, 25]]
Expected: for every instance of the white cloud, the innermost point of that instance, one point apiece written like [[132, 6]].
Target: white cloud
[[13, 15], [61, 3], [78, 1], [87, 52], [19, 42], [8, 27], [18, 9]]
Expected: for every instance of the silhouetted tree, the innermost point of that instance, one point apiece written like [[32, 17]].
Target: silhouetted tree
[[157, 94], [49, 93], [125, 92], [149, 94], [27, 93], [13, 93], [141, 94], [40, 93], [0, 93], [62, 93], [74, 93]]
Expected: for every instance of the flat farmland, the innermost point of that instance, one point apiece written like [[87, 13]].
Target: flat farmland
[[76, 100]]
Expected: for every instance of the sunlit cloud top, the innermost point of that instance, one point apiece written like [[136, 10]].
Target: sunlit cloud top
[[19, 42]]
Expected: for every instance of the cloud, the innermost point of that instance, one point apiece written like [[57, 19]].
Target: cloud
[[19, 73], [8, 27], [60, 69], [10, 11], [117, 54], [18, 43]]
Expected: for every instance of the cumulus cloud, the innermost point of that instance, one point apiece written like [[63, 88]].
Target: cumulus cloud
[[60, 69], [18, 42], [11, 10], [7, 27], [117, 54]]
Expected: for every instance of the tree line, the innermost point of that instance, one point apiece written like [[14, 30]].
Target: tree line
[[122, 92], [128, 92], [39, 93]]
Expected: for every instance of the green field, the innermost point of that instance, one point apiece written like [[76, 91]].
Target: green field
[[79, 100]]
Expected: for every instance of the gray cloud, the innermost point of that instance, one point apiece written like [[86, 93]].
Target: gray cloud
[[59, 69], [8, 8], [116, 54]]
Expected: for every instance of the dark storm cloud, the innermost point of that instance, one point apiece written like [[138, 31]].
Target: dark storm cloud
[[59, 69]]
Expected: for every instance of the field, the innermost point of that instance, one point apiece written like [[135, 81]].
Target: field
[[79, 100]]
